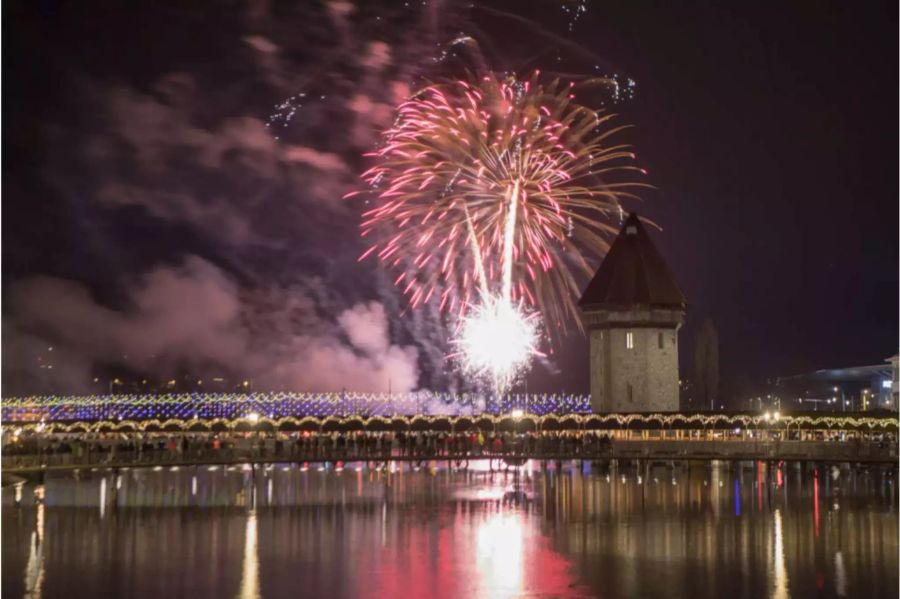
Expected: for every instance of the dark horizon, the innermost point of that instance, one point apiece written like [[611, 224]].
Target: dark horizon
[[140, 178]]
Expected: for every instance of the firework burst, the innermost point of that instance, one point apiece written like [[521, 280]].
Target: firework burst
[[496, 185]]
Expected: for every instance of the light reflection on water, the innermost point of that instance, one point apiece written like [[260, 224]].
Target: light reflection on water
[[567, 529], [34, 571], [780, 571], [250, 571], [499, 554]]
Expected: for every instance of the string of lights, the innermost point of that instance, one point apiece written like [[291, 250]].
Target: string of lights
[[359, 411], [279, 405]]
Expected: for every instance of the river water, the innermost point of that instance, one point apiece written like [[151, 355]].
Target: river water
[[547, 530]]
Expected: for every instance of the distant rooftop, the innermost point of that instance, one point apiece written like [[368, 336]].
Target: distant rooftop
[[848, 374], [633, 274]]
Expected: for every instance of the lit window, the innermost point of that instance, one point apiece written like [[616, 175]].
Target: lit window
[[660, 341], [629, 340]]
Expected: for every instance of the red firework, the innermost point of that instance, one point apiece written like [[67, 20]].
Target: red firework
[[496, 183]]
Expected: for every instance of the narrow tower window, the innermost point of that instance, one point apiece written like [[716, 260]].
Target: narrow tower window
[[629, 340], [660, 341]]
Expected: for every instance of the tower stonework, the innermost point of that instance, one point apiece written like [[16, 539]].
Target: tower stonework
[[632, 310]]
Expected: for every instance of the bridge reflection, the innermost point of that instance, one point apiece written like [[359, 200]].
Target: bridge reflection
[[510, 456]]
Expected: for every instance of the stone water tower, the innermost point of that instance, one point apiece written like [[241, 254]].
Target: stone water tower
[[632, 310]]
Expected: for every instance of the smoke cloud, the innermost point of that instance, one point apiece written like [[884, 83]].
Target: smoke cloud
[[189, 209], [194, 316]]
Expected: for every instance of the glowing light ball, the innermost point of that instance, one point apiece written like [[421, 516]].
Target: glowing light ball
[[497, 341]]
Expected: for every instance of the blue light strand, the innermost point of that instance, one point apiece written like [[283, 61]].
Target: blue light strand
[[281, 404]]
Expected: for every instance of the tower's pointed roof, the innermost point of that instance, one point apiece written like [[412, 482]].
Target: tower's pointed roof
[[632, 274]]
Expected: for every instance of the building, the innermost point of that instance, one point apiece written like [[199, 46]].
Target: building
[[632, 310], [851, 389], [894, 398]]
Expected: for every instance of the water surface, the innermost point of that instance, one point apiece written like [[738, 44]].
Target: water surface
[[550, 530]]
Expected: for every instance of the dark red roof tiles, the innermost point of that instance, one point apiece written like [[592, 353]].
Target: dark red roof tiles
[[632, 274]]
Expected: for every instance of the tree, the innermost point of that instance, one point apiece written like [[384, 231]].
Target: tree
[[706, 363]]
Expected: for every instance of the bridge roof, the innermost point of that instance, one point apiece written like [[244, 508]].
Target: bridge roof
[[633, 274]]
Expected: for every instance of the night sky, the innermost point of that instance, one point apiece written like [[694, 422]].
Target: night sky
[[154, 226]]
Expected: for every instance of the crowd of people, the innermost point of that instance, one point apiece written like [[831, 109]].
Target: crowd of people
[[100, 447]]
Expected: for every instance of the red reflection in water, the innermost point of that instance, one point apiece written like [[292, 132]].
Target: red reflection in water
[[760, 480], [816, 500], [779, 477], [484, 555]]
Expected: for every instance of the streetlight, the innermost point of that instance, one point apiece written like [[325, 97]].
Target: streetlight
[[843, 401]]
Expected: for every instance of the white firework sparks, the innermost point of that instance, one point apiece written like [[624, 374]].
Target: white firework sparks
[[497, 341]]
